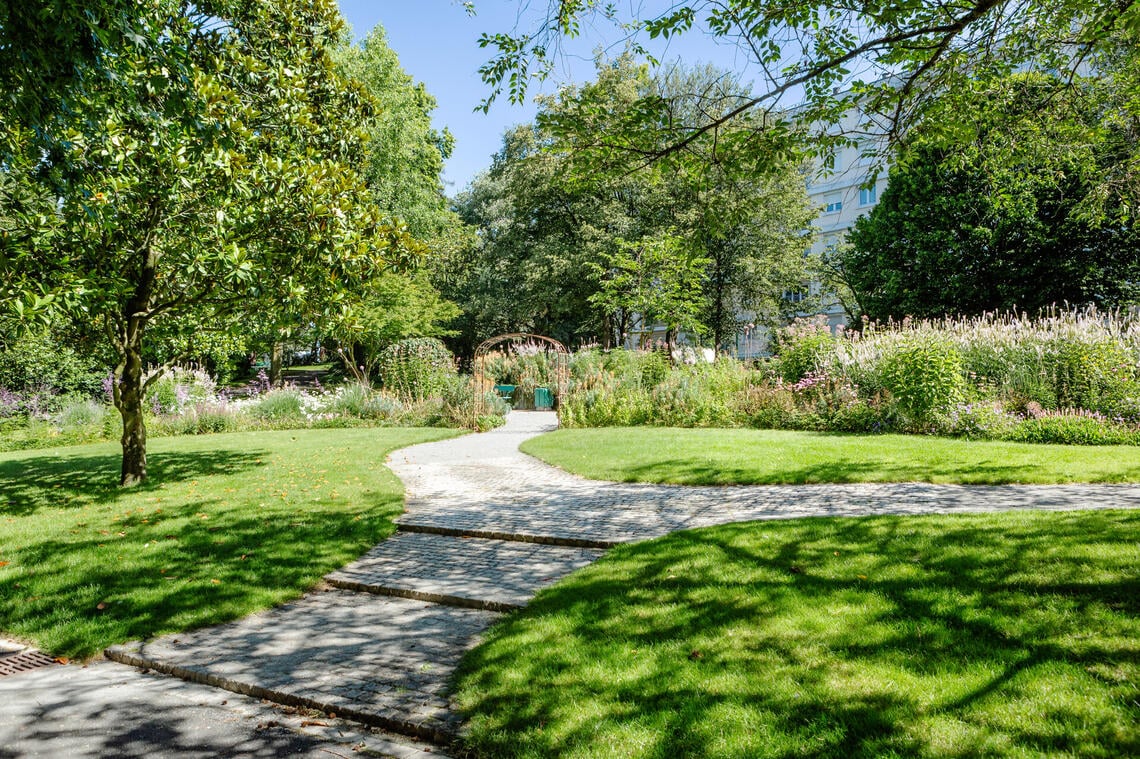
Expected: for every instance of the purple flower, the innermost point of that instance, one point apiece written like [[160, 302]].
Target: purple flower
[[9, 402]]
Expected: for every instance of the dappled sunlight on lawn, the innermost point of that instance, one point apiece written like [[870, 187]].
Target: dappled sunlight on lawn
[[995, 635], [225, 525], [779, 457]]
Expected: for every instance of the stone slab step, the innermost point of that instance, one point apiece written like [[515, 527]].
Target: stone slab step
[[485, 574], [383, 661], [429, 526], [602, 522]]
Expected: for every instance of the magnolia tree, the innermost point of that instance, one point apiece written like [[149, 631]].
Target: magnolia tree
[[198, 171]]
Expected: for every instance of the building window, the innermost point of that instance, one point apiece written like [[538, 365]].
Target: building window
[[833, 207], [868, 196], [794, 296]]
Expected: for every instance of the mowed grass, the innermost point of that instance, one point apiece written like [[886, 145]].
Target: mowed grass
[[778, 457], [225, 525], [1007, 635]]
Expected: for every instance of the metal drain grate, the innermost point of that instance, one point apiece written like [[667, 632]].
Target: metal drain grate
[[13, 664]]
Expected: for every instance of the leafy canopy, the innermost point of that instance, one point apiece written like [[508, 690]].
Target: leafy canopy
[[894, 60], [1001, 214], [580, 255], [197, 166]]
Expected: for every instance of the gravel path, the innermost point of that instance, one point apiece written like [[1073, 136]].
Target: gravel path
[[486, 527]]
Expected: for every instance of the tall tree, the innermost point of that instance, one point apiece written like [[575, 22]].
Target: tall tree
[[402, 165], [577, 251], [404, 156], [1001, 214], [528, 270], [656, 279], [210, 174]]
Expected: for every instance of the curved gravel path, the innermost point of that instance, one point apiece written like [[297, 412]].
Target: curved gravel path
[[483, 485], [486, 527]]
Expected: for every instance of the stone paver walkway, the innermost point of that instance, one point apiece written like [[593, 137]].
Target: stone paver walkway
[[480, 485], [381, 660], [105, 710], [486, 527], [485, 574]]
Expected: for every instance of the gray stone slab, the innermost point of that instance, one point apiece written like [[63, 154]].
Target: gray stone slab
[[384, 661], [105, 709], [491, 574]]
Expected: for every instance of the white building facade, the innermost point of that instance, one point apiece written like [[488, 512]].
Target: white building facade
[[849, 187]]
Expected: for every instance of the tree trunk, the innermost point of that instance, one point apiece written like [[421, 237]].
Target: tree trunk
[[129, 400], [276, 357], [129, 386], [720, 299]]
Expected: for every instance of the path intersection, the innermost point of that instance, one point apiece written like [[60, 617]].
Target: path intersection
[[486, 527]]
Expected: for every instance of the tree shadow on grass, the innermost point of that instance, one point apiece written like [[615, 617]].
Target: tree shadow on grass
[[28, 484], [686, 471], [180, 572], [880, 636]]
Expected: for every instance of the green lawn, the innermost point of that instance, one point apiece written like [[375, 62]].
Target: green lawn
[[763, 457], [1010, 635], [307, 368], [226, 525]]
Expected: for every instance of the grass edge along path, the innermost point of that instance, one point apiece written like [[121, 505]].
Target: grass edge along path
[[226, 525], [998, 635], [781, 457]]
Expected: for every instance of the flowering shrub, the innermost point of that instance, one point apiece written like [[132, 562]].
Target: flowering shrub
[[926, 376], [416, 368], [980, 421], [178, 389], [184, 408], [10, 403], [278, 405], [991, 377], [79, 413], [804, 347]]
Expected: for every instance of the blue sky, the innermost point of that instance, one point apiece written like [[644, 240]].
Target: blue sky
[[438, 44]]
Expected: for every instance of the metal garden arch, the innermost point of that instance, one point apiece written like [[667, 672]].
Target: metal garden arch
[[485, 384]]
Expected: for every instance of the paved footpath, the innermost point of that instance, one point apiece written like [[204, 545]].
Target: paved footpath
[[486, 527]]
